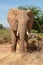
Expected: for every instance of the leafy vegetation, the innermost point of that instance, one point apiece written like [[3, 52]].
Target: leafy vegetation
[[1, 26]]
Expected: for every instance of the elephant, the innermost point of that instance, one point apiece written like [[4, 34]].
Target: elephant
[[21, 22]]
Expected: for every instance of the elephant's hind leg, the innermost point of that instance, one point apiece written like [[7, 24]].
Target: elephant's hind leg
[[14, 40]]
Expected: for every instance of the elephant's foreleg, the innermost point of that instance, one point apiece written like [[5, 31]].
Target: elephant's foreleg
[[14, 40], [21, 42]]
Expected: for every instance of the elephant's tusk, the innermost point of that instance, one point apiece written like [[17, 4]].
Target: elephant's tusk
[[17, 33], [27, 33]]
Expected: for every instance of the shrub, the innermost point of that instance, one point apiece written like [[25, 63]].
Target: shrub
[[5, 35], [1, 26]]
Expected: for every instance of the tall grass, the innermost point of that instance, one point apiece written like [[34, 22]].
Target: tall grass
[[5, 35]]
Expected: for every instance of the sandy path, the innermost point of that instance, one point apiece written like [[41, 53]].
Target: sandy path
[[8, 58]]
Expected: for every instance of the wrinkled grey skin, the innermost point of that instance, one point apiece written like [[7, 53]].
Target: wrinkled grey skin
[[20, 21]]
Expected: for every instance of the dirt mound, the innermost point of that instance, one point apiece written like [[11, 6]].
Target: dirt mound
[[9, 58], [35, 58]]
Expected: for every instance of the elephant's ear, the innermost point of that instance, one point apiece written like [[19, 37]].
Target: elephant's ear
[[29, 13]]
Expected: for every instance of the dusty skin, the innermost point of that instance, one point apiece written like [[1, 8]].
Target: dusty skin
[[20, 21]]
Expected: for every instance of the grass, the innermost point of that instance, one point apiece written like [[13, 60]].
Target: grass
[[5, 35]]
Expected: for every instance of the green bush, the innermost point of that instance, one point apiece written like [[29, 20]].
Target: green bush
[[42, 27], [1, 26], [34, 31]]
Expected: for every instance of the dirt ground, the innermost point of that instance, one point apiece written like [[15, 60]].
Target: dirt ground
[[9, 58]]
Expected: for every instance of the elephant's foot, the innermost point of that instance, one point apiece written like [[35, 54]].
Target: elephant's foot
[[23, 51], [23, 47], [13, 49]]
